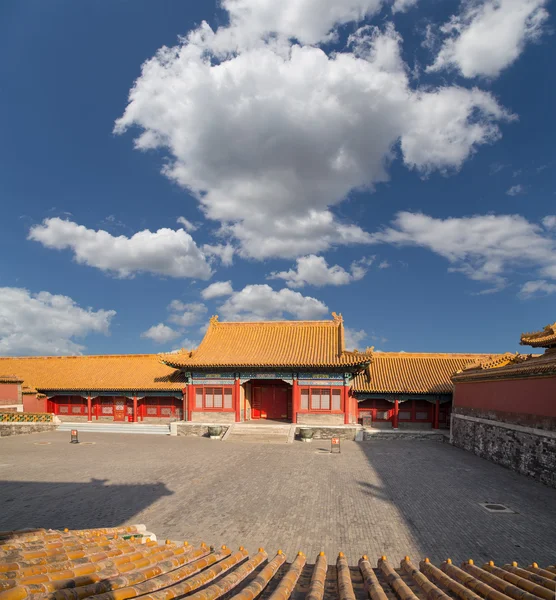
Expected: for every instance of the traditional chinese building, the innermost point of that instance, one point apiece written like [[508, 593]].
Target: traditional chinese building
[[296, 371], [505, 408], [409, 389], [114, 387]]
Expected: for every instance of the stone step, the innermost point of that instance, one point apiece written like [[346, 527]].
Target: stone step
[[260, 439], [145, 429], [249, 427], [272, 433], [269, 430]]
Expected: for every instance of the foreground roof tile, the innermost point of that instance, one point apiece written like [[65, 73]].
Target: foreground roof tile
[[127, 562]]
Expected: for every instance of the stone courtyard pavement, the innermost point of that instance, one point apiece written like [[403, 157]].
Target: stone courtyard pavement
[[385, 497]]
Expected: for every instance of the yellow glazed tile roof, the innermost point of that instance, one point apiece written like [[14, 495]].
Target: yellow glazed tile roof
[[111, 372], [530, 365], [540, 339], [271, 344], [495, 361], [413, 372], [126, 562]]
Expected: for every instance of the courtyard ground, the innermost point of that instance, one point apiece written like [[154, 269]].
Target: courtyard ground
[[385, 497]]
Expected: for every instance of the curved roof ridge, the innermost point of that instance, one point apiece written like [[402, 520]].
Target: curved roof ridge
[[285, 322], [381, 354], [544, 338], [75, 356]]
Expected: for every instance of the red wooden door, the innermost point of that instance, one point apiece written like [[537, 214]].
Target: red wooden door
[[256, 403], [270, 402], [277, 400], [119, 409]]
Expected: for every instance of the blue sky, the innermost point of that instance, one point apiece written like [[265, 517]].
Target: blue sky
[[392, 161]]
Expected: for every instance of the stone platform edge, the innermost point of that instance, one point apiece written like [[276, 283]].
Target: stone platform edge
[[7, 429], [194, 429]]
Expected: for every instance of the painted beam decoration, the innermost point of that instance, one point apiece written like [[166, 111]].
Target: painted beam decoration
[[310, 379], [321, 379], [223, 378]]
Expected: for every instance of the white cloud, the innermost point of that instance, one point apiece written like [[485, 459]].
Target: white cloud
[[489, 35], [161, 334], [294, 235], [483, 247], [216, 289], [309, 21], [183, 315], [403, 5], [261, 303], [496, 168], [163, 252], [186, 314], [448, 126], [188, 344], [303, 128], [225, 252], [515, 190], [46, 323], [354, 337], [549, 222], [384, 265], [536, 288], [187, 225], [314, 270]]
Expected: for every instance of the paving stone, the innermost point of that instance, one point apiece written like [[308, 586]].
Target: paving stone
[[392, 497]]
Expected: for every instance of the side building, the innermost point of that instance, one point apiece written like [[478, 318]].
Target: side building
[[505, 409], [132, 387], [409, 390]]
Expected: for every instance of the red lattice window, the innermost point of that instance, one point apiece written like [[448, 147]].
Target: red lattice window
[[321, 399], [214, 398]]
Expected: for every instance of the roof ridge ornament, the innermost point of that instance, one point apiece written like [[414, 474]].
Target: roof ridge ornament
[[545, 338], [337, 317], [214, 320]]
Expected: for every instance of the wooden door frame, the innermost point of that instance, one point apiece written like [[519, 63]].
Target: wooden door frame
[[116, 400], [270, 383]]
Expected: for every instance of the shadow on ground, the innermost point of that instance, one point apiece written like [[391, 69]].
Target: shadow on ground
[[437, 489], [75, 505]]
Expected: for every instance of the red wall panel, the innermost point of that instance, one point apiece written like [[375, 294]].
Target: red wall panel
[[8, 393], [32, 404], [531, 396]]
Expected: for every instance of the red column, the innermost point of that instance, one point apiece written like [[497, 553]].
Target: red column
[[295, 400], [135, 409], [89, 409], [346, 404], [236, 400], [396, 414], [435, 424], [184, 404], [190, 400]]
